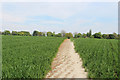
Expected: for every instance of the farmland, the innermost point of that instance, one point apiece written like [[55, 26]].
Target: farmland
[[28, 56], [99, 56], [31, 56]]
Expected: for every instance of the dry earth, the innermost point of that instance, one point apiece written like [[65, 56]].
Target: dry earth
[[67, 63]]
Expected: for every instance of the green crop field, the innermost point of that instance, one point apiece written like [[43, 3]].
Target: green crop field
[[99, 56], [28, 57], [31, 56]]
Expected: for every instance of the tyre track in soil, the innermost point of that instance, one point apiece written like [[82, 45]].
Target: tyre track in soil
[[67, 63]]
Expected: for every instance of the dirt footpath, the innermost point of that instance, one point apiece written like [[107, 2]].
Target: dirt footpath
[[67, 63]]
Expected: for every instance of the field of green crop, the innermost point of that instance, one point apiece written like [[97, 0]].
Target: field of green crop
[[28, 57], [100, 57]]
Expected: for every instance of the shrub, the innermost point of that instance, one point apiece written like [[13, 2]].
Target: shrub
[[69, 35], [35, 33], [111, 36], [97, 35], [58, 35], [14, 33], [6, 32], [84, 35], [104, 36], [91, 36]]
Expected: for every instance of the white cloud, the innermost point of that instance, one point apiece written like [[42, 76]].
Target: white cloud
[[51, 22], [12, 18], [72, 13], [96, 27], [21, 11], [59, 10], [31, 28]]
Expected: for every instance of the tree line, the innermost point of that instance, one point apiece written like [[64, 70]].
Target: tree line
[[63, 34]]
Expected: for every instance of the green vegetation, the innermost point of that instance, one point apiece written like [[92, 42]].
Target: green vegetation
[[69, 35], [89, 34], [100, 57], [37, 33], [64, 34], [58, 35], [28, 56], [0, 56], [98, 35], [6, 32], [50, 34], [77, 35]]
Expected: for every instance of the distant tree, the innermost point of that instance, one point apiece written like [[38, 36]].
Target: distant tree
[[58, 35], [40, 34], [91, 36], [104, 36], [6, 32], [25, 33], [119, 36], [14, 33], [69, 35], [84, 35], [28, 34], [75, 35], [0, 33], [115, 35], [53, 34], [111, 36], [43, 33], [107, 36], [20, 33], [35, 33], [90, 33], [97, 35], [79, 35], [87, 34], [63, 33], [49, 34]]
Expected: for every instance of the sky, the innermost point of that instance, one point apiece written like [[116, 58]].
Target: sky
[[56, 16]]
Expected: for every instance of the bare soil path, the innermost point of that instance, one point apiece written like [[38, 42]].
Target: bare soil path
[[67, 63]]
